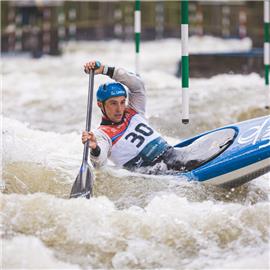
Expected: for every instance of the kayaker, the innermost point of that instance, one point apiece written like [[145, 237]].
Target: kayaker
[[124, 136]]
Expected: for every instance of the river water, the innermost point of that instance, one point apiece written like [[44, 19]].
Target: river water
[[134, 220]]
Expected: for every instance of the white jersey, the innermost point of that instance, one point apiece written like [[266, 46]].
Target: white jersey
[[133, 142]]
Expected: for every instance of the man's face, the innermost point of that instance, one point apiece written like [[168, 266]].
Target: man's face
[[114, 108]]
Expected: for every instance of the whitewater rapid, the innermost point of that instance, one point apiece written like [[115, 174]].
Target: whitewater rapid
[[134, 220]]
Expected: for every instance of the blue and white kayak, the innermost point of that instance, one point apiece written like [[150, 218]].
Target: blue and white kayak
[[231, 155]]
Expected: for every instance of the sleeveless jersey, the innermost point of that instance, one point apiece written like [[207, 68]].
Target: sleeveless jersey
[[134, 142]]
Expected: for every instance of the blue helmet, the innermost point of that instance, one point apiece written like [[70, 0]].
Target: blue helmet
[[108, 90]]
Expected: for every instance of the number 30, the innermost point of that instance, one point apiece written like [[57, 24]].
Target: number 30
[[142, 129]]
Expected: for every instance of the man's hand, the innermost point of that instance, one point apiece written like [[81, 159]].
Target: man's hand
[[89, 136], [91, 66]]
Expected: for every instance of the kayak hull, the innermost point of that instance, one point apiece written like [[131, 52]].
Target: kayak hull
[[246, 156]]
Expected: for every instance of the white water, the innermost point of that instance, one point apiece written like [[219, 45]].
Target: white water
[[134, 221]]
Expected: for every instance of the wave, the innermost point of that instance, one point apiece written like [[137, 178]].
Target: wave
[[169, 232]]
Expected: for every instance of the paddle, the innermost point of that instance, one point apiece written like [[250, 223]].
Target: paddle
[[83, 184]]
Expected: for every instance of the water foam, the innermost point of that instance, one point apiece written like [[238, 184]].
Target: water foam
[[189, 234], [140, 221]]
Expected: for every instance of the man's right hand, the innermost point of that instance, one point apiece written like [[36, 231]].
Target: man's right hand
[[89, 136], [91, 66]]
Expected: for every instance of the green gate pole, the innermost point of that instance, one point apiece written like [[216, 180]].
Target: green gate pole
[[18, 31], [266, 50], [137, 30], [185, 62]]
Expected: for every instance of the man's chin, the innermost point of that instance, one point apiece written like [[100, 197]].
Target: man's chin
[[118, 120]]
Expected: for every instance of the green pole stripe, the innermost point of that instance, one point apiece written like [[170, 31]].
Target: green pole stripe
[[137, 40], [185, 71], [184, 12], [138, 5], [266, 73], [266, 32]]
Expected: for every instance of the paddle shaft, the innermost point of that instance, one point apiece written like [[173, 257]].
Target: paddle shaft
[[89, 113]]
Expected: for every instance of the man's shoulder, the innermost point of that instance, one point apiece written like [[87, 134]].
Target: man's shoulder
[[109, 130], [101, 135], [130, 112]]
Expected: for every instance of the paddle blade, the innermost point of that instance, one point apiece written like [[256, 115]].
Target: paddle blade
[[83, 184]]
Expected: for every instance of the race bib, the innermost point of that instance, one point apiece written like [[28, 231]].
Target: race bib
[[138, 140]]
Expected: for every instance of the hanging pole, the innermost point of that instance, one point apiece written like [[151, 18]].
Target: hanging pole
[[185, 61], [11, 33], [266, 50], [61, 32], [18, 32], [242, 29], [226, 21], [159, 19], [46, 30], [72, 27], [137, 30]]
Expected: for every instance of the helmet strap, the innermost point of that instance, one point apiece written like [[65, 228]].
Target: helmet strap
[[103, 110]]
